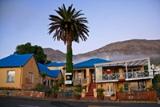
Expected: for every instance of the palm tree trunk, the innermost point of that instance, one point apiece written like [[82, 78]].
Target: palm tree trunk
[[69, 64]]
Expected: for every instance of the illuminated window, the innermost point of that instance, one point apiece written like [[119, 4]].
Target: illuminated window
[[11, 76]]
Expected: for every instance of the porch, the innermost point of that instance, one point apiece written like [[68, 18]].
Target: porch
[[123, 70]]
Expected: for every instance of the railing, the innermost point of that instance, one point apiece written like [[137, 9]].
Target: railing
[[137, 74], [114, 76], [125, 76], [79, 81]]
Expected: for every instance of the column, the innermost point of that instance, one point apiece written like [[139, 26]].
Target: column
[[98, 73], [126, 70]]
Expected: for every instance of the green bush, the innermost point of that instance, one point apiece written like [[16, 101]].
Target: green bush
[[100, 94], [55, 89], [77, 90], [40, 87]]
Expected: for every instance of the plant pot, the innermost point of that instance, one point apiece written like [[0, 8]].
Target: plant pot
[[100, 97], [77, 97], [54, 95], [113, 98]]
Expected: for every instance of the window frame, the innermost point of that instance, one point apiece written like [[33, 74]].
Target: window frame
[[31, 77], [13, 78]]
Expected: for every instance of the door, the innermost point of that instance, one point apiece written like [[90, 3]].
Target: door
[[92, 75]]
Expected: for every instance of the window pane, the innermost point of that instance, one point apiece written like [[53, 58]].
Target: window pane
[[10, 76], [31, 77]]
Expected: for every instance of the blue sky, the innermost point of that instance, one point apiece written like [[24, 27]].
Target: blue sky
[[24, 21]]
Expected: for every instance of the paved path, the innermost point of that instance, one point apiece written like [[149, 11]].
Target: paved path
[[26, 102]]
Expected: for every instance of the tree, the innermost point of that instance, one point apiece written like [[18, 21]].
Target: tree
[[156, 83], [68, 26], [36, 50]]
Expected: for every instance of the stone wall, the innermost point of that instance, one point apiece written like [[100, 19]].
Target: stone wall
[[22, 93]]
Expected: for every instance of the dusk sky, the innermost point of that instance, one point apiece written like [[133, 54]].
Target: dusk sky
[[110, 21]]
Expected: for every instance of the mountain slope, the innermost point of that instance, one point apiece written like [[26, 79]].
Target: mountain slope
[[54, 55], [116, 51]]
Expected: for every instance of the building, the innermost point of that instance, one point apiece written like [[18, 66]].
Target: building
[[49, 77], [19, 72], [57, 66], [124, 76], [84, 74]]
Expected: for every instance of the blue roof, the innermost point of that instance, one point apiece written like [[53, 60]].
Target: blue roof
[[54, 73], [90, 63], [43, 68], [15, 60], [56, 64], [50, 73]]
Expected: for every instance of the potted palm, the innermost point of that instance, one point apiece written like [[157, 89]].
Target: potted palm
[[100, 94], [77, 91], [113, 97], [55, 90]]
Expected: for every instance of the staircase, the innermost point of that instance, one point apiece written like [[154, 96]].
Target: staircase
[[90, 93]]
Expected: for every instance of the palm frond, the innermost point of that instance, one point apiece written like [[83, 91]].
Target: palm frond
[[68, 20]]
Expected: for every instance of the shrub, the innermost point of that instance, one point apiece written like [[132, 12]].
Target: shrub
[[40, 87], [54, 91], [77, 90], [100, 94]]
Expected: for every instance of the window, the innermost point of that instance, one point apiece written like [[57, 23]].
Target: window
[[126, 86], [141, 85], [84, 74], [79, 75], [31, 77], [11, 76]]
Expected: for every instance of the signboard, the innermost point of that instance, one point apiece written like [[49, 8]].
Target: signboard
[[68, 80]]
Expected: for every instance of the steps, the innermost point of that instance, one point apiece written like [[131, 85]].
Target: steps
[[90, 93]]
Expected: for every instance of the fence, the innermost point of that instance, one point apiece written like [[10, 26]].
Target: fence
[[137, 96]]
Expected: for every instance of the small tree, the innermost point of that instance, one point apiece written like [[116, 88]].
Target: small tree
[[55, 90], [156, 83], [100, 94], [77, 91]]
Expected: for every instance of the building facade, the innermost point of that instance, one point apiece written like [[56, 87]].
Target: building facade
[[84, 74], [124, 76], [19, 72]]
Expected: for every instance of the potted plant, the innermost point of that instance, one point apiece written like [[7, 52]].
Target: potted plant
[[77, 91], [100, 94], [113, 97], [55, 90]]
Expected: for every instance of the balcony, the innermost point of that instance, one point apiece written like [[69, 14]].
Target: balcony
[[79, 81], [138, 75], [109, 78]]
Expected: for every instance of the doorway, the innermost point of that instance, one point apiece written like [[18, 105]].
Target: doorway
[[92, 75]]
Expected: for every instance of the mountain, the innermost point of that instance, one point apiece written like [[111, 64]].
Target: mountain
[[128, 49], [54, 55]]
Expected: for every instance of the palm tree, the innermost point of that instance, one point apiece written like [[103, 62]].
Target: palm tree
[[69, 25]]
